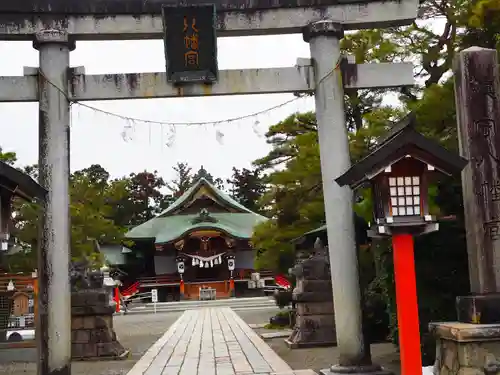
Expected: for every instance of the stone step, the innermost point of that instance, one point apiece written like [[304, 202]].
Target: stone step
[[228, 301]]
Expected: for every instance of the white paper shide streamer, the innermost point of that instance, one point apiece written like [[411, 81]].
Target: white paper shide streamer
[[205, 262]]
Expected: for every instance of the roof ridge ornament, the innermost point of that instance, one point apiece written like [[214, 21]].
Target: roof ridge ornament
[[203, 216]]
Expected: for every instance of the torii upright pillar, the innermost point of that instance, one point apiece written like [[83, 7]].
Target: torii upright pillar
[[54, 303], [324, 39]]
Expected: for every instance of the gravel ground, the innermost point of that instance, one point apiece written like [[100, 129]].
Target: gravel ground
[[138, 332], [317, 358], [321, 358]]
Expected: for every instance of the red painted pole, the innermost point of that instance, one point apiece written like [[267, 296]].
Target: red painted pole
[[117, 300], [181, 288], [407, 304]]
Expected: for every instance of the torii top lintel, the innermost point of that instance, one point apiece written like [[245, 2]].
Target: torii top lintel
[[116, 7]]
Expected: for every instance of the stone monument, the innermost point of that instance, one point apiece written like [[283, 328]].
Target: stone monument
[[92, 333], [472, 345], [315, 319]]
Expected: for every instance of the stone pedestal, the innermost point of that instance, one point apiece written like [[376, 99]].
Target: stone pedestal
[[92, 333], [314, 320], [466, 349]]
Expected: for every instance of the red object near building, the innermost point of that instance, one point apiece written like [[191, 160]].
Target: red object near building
[[282, 281]]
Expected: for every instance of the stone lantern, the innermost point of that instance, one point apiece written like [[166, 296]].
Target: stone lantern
[[108, 283], [399, 170]]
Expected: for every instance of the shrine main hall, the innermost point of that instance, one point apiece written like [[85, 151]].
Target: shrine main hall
[[202, 240]]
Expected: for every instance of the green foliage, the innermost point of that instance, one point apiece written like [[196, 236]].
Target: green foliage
[[294, 200], [275, 326], [92, 204], [144, 198], [483, 24], [183, 181], [8, 157], [247, 187]]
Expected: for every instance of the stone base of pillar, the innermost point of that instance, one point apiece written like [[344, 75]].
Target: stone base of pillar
[[355, 370], [466, 349], [314, 323], [92, 333]]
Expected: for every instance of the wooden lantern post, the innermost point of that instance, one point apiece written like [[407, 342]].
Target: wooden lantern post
[[399, 170]]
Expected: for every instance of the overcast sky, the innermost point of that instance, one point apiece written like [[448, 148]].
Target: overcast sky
[[98, 138], [123, 146]]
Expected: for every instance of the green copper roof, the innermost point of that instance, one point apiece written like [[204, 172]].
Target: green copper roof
[[197, 186], [172, 223], [166, 229], [113, 254]]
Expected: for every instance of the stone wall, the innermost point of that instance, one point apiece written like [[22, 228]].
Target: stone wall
[[466, 349], [92, 333]]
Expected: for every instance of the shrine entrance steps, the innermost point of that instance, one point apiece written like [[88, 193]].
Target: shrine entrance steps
[[260, 303], [212, 341]]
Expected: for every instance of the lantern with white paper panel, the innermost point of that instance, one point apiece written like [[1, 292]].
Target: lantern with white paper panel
[[231, 264], [180, 265], [399, 171]]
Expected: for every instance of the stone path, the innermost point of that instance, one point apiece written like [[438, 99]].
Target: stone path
[[213, 341]]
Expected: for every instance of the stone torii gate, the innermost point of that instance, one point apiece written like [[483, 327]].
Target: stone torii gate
[[55, 25]]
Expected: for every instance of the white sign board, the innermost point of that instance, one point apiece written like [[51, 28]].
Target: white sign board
[[154, 295]]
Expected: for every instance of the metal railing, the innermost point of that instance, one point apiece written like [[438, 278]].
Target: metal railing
[[160, 279], [175, 278]]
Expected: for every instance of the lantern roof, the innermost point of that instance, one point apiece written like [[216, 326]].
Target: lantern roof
[[308, 239], [19, 184], [401, 141]]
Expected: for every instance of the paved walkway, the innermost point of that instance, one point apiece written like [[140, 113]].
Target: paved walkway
[[212, 341]]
